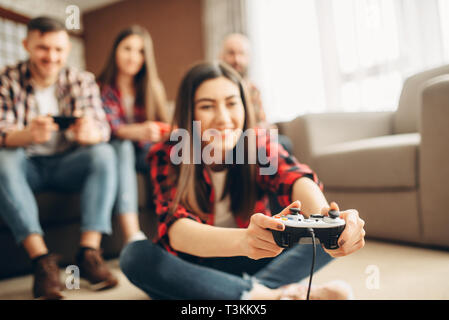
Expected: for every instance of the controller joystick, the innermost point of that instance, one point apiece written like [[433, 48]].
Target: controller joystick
[[327, 229], [334, 214], [295, 211]]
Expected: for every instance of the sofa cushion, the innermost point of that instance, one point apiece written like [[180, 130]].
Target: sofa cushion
[[381, 162]]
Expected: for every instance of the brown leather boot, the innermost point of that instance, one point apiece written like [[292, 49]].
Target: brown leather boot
[[94, 269], [47, 284]]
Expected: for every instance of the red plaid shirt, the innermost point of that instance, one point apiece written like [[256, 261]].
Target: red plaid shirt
[[75, 91], [115, 112], [116, 116], [164, 191]]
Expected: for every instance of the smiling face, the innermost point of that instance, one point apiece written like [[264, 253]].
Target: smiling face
[[130, 55], [218, 105], [48, 52], [235, 52]]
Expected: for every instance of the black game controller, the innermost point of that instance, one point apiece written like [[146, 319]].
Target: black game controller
[[298, 229], [64, 122]]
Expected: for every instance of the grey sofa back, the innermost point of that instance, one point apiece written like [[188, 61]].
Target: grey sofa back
[[407, 116]]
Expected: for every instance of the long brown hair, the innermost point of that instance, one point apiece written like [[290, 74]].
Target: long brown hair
[[150, 91], [241, 179]]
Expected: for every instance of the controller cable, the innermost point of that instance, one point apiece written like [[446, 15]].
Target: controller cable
[[312, 233]]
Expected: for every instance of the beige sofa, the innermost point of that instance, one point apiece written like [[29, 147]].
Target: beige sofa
[[391, 166]]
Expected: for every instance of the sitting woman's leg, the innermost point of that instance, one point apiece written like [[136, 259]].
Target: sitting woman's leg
[[292, 265], [274, 275], [164, 276], [126, 205], [126, 201]]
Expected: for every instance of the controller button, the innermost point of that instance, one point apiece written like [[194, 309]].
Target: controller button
[[277, 217], [295, 211], [334, 214], [317, 216], [285, 219]]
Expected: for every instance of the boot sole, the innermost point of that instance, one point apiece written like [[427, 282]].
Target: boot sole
[[103, 285], [53, 296]]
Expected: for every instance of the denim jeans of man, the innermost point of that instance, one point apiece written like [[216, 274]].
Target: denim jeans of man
[[165, 276], [89, 170]]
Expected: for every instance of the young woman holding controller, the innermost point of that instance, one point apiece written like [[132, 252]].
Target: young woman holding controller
[[135, 104], [214, 239]]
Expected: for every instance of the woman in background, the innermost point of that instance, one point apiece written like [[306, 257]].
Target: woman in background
[[135, 104]]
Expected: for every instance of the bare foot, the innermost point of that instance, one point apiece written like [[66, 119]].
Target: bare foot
[[333, 290], [260, 292]]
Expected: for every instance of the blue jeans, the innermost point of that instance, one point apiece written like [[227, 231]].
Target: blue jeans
[[130, 159], [165, 276], [89, 170]]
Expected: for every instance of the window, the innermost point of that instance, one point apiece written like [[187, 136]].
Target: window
[[11, 36], [342, 55], [286, 62], [443, 9], [13, 30], [367, 41]]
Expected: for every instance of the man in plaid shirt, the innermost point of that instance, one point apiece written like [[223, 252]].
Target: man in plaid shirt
[[36, 154]]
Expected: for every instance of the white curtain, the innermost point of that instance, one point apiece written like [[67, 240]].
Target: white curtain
[[286, 62], [342, 55], [221, 17]]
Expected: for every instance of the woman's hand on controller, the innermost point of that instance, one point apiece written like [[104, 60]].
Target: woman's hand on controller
[[286, 210], [259, 242], [352, 237]]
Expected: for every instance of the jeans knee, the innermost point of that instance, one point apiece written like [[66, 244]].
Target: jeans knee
[[102, 157], [129, 258], [11, 161], [123, 147], [125, 153]]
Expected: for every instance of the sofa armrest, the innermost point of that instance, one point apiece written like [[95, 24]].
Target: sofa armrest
[[313, 132], [434, 161]]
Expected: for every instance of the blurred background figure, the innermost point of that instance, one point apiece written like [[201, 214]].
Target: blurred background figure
[[37, 154], [135, 104], [235, 51]]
